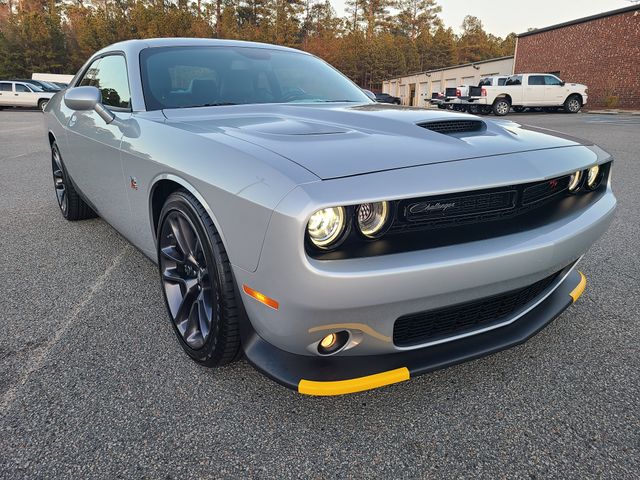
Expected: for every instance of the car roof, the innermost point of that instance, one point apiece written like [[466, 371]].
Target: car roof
[[132, 46]]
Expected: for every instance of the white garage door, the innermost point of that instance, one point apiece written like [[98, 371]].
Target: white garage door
[[436, 87]]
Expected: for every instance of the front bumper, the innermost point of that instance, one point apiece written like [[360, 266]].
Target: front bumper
[[337, 375]]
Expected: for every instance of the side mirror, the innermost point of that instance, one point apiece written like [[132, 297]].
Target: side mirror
[[562, 84], [85, 99]]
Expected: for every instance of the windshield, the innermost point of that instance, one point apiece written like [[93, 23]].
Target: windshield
[[181, 77]]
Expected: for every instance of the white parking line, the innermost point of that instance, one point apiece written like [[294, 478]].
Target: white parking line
[[38, 359]]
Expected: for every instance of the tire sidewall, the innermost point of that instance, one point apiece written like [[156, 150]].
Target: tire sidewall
[[211, 350], [569, 101], [498, 102]]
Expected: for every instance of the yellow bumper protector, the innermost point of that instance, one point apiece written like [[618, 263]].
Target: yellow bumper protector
[[579, 290], [353, 385]]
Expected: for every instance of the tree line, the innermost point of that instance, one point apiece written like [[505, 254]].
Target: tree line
[[374, 40]]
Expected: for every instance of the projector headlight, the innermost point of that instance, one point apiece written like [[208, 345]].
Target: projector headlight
[[593, 177], [326, 226], [372, 218], [574, 181]]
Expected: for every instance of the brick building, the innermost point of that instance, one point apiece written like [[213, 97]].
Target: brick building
[[601, 51]]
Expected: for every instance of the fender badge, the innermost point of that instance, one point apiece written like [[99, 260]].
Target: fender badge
[[133, 183]]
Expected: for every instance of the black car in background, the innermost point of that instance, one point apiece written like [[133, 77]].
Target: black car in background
[[386, 98]]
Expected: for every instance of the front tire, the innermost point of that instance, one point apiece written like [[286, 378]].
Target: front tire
[[573, 104], [71, 205], [197, 282], [501, 107]]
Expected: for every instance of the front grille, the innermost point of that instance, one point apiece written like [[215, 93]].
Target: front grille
[[475, 207], [454, 126], [433, 325]]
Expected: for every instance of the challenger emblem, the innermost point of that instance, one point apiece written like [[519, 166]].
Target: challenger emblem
[[133, 183], [426, 207]]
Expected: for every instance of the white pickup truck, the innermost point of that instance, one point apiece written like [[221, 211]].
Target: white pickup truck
[[457, 98], [530, 90]]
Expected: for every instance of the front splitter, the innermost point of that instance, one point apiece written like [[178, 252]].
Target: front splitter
[[338, 375]]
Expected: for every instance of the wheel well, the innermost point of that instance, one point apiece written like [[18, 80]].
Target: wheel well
[[161, 192], [576, 95], [51, 139], [506, 97]]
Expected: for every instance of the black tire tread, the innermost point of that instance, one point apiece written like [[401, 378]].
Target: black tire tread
[[77, 208]]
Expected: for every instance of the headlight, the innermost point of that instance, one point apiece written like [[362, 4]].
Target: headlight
[[574, 181], [325, 226], [593, 175], [372, 218]]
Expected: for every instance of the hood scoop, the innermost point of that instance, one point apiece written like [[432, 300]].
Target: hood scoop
[[448, 127]]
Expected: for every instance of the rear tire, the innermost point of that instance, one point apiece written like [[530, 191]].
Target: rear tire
[[573, 104], [197, 282], [501, 107], [71, 205], [42, 104]]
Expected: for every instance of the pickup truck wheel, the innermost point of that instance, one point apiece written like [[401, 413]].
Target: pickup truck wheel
[[71, 205], [501, 107], [197, 282], [42, 104], [518, 109], [572, 104]]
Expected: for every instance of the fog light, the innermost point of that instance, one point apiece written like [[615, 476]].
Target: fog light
[[574, 181], [373, 218], [333, 342], [593, 177]]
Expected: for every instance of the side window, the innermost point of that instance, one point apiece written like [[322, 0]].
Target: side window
[[89, 77], [549, 80], [502, 81], [536, 80], [109, 75], [5, 87], [515, 80], [22, 88]]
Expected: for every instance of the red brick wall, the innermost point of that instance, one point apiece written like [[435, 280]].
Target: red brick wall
[[603, 54]]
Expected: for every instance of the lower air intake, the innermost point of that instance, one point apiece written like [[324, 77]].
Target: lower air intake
[[450, 321]]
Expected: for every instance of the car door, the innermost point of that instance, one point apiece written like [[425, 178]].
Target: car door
[[93, 157], [535, 91], [554, 90], [24, 96], [6, 94]]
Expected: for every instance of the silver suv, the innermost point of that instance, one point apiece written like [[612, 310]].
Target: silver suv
[[22, 94]]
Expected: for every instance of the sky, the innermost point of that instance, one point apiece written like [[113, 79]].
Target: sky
[[502, 17]]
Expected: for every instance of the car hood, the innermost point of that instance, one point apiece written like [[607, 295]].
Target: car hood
[[341, 140]]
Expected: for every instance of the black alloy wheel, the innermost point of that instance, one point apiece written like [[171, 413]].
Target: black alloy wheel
[[186, 281], [59, 183], [197, 282]]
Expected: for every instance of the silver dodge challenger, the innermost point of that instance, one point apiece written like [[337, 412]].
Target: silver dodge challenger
[[336, 243]]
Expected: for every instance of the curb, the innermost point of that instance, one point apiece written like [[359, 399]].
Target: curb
[[614, 112]]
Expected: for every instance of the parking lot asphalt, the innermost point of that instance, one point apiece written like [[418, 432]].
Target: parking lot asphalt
[[94, 384]]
